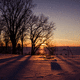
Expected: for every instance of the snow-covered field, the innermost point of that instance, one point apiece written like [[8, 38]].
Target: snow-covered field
[[26, 67]]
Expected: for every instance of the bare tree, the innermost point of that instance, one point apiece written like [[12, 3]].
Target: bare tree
[[40, 30], [14, 13], [50, 47]]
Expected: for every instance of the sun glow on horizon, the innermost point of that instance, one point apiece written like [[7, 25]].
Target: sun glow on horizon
[[66, 42]]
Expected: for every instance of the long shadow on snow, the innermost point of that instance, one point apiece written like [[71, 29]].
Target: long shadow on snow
[[9, 63], [68, 62], [74, 61], [13, 76], [7, 59]]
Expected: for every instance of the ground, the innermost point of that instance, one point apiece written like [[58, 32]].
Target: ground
[[26, 67]]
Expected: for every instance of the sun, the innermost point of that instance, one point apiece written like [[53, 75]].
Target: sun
[[43, 44]]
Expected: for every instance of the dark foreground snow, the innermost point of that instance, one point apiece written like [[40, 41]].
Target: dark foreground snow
[[26, 67]]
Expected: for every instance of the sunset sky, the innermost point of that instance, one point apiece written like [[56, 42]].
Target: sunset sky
[[66, 16]]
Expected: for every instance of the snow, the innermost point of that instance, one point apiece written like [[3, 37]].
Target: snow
[[38, 67]]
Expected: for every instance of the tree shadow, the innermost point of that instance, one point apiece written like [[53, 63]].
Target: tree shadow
[[69, 63], [7, 59], [15, 70], [13, 75], [9, 63], [55, 66], [76, 62]]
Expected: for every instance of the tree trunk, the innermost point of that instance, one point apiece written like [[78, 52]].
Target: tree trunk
[[22, 47], [32, 50], [22, 42], [6, 46], [14, 47]]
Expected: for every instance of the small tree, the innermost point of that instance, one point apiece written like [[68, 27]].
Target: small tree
[[39, 31], [6, 39], [1, 45], [50, 47]]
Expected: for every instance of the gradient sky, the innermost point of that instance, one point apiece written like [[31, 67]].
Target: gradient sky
[[66, 16]]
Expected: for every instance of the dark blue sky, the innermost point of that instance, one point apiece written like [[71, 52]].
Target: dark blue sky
[[66, 16]]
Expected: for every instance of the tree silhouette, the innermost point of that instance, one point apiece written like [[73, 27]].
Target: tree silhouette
[[50, 47], [6, 39], [22, 38], [14, 13], [39, 31], [1, 45]]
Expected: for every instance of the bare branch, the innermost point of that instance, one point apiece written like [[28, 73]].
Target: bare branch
[[40, 31]]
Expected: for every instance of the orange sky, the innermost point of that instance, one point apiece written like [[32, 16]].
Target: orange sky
[[66, 42]]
